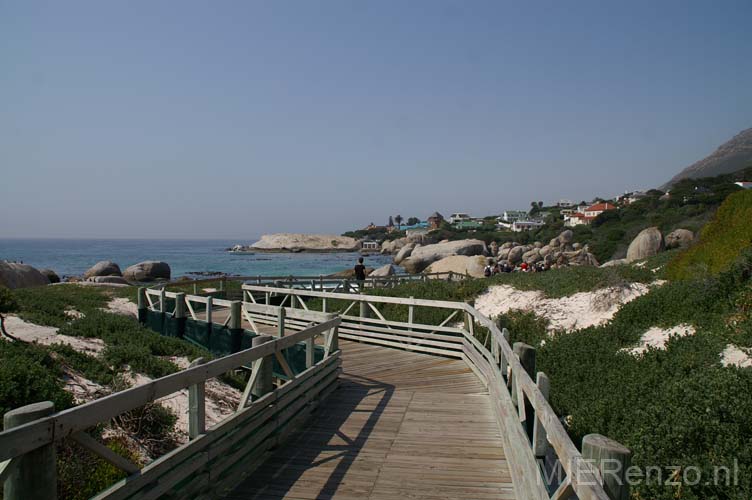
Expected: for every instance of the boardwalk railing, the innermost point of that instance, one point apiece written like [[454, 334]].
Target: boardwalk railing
[[215, 459], [316, 283], [535, 440]]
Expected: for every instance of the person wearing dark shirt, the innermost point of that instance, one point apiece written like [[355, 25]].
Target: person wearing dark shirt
[[360, 271]]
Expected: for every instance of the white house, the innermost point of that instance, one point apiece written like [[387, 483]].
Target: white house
[[744, 184], [513, 215], [458, 217], [525, 225]]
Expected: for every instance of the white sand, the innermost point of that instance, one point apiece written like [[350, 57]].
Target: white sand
[[658, 337], [122, 306], [580, 310], [735, 356], [47, 335], [221, 401]]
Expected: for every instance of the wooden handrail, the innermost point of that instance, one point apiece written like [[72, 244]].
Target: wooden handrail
[[25, 438], [581, 475]]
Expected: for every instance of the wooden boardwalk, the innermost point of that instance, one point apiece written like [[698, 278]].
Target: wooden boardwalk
[[401, 425]]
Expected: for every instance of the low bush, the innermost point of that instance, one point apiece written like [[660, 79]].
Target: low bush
[[28, 374], [48, 305]]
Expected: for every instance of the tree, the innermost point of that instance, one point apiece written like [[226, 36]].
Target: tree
[[391, 222], [534, 208], [7, 304], [540, 204], [398, 219], [412, 221]]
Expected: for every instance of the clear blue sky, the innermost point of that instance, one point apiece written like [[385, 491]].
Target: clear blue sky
[[231, 119]]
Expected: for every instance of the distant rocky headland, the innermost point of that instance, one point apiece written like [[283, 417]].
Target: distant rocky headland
[[298, 242]]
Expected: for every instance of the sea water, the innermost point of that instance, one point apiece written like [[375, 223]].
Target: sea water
[[72, 257]]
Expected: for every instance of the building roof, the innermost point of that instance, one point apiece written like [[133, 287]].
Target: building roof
[[436, 215], [600, 207]]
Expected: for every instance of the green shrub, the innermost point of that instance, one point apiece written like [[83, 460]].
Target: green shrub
[[721, 241], [28, 374], [47, 305], [89, 366]]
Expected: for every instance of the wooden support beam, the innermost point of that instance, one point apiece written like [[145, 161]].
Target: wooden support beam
[[281, 322], [196, 405], [104, 452], [612, 460]]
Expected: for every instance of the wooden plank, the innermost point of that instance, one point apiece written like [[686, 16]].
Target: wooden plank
[[104, 452]]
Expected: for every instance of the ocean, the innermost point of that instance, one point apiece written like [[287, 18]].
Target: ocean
[[72, 257]]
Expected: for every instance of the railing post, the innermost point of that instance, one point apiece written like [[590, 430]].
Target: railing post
[[209, 302], [267, 297], [222, 285], [540, 439], [196, 405], [235, 324], [162, 300], [321, 282], [142, 308], [526, 354], [195, 288], [346, 285], [411, 313], [504, 362], [34, 475], [281, 314], [265, 378], [309, 350], [323, 304], [612, 461], [364, 309], [180, 317]]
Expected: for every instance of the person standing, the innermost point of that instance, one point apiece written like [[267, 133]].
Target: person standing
[[360, 273]]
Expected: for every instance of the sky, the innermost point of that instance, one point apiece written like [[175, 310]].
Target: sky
[[229, 119]]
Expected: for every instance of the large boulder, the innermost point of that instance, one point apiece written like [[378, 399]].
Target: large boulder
[[103, 268], [646, 244], [515, 255], [531, 256], [460, 264], [51, 275], [149, 270], [422, 257], [404, 252], [382, 271], [679, 238], [566, 237], [297, 242], [13, 275]]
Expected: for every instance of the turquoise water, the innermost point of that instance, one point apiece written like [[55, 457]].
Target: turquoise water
[[70, 257]]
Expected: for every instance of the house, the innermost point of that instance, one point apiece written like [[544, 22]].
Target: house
[[585, 215], [577, 219], [744, 184], [370, 246], [419, 225], [435, 220], [458, 217], [597, 209], [468, 224], [525, 225], [633, 197], [510, 216]]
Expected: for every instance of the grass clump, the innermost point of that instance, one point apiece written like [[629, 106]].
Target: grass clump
[[48, 305], [130, 344], [720, 241]]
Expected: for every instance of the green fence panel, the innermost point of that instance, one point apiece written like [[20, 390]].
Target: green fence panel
[[197, 332], [155, 321]]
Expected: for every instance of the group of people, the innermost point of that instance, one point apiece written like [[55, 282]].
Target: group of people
[[504, 266]]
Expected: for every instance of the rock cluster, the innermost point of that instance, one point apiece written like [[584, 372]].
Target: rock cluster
[[423, 256], [103, 268], [14, 275], [559, 252], [298, 242], [149, 270]]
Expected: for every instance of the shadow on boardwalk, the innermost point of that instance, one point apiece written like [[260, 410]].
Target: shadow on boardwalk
[[316, 462]]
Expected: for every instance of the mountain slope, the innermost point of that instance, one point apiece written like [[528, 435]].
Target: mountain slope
[[728, 158]]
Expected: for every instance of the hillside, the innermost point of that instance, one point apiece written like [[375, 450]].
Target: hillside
[[729, 157]]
